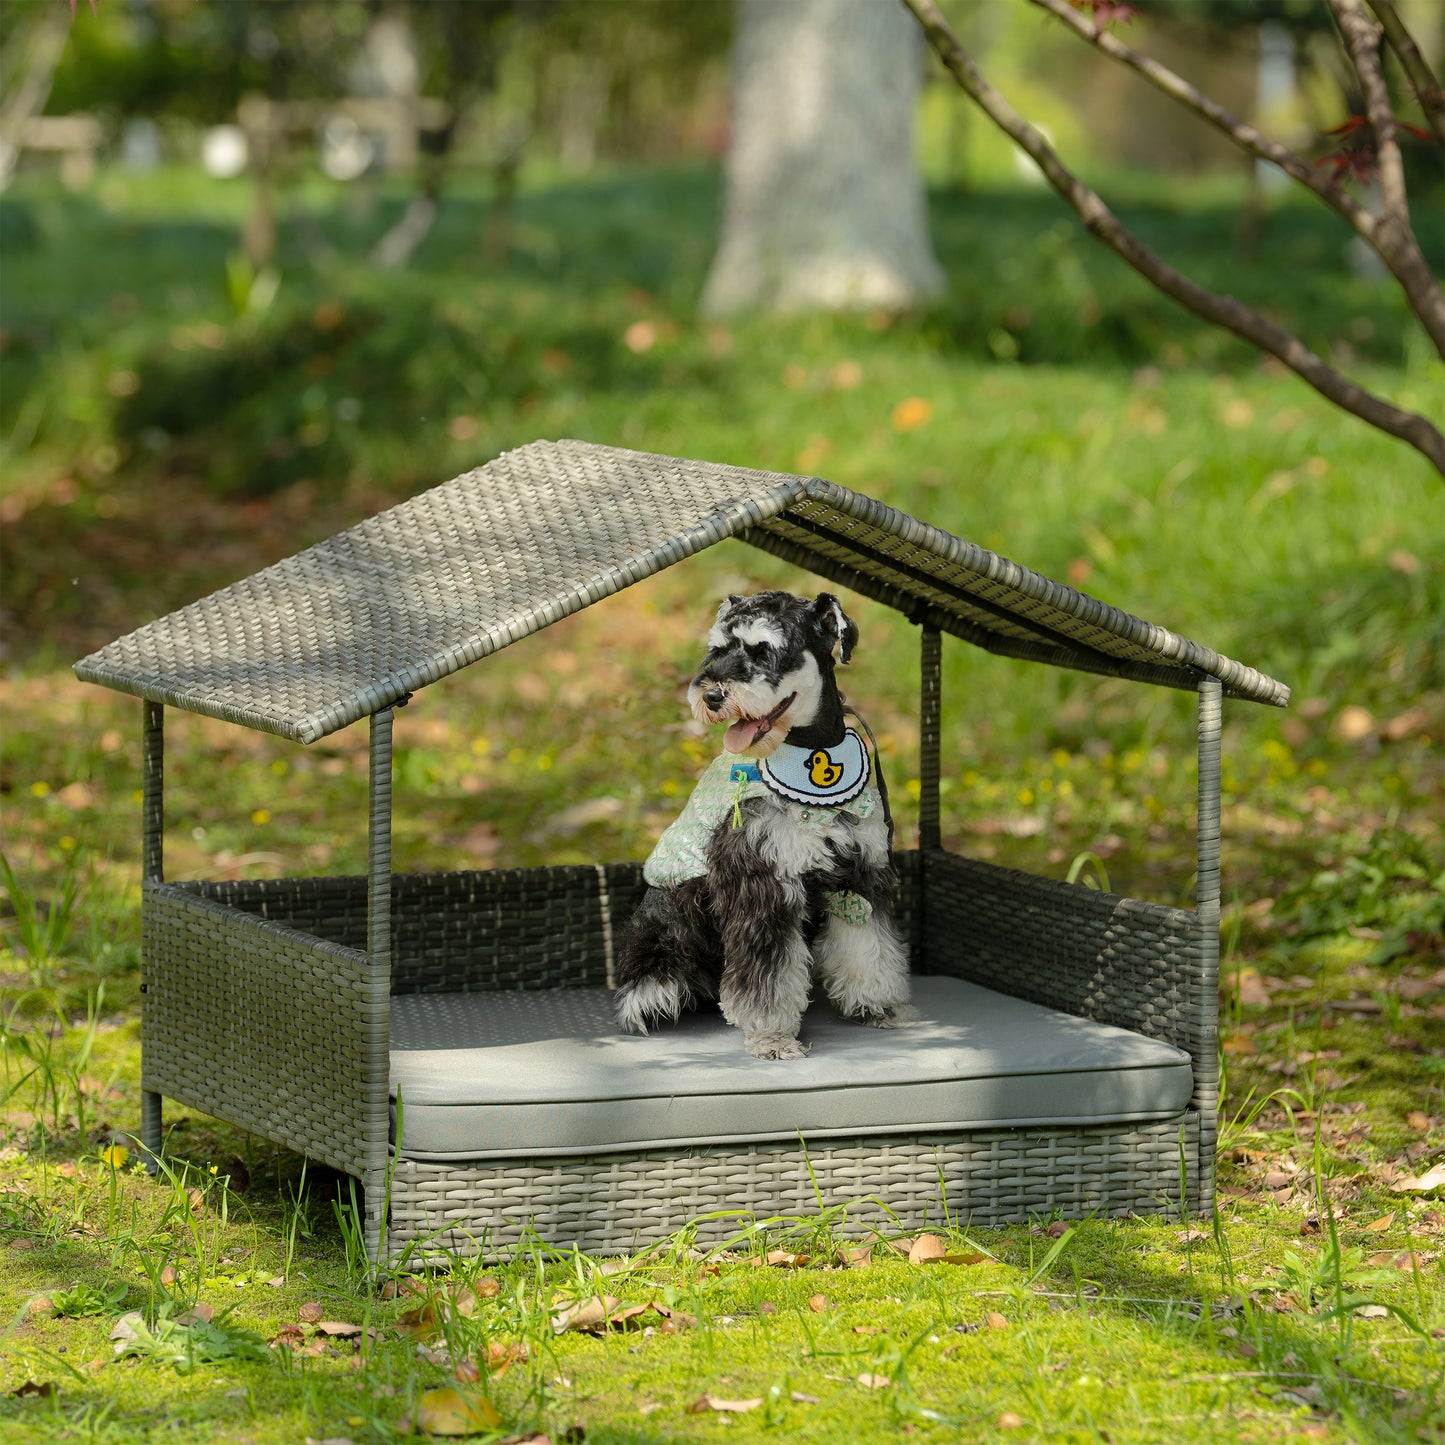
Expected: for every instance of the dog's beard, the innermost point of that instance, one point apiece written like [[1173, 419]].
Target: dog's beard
[[760, 718]]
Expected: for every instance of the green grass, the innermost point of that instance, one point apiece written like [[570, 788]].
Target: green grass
[[159, 444]]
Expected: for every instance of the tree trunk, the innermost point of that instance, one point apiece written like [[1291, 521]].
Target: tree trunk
[[825, 206]]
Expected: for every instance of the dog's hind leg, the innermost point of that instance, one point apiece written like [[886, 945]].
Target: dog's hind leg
[[667, 958], [862, 961], [864, 967]]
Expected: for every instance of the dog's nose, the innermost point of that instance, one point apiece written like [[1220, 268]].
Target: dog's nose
[[714, 697]]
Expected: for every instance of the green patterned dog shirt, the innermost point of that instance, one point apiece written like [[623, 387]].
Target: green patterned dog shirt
[[681, 852]]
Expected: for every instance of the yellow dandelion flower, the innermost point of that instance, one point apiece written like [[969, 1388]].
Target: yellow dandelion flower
[[261, 815]]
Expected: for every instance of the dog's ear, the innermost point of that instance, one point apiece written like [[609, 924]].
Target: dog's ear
[[716, 636], [835, 625], [726, 606]]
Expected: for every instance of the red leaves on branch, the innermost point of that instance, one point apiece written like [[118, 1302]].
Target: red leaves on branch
[[1106, 12], [1357, 162]]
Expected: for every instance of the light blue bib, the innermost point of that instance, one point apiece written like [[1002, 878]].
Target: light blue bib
[[826, 777]]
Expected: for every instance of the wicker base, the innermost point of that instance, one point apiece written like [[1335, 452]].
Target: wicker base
[[615, 1203]]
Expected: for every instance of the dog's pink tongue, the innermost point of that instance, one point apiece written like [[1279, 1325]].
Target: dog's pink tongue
[[738, 737]]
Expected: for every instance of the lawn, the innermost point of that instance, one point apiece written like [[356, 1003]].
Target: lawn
[[172, 422]]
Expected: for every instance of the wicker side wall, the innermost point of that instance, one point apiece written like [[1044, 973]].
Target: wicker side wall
[[464, 931], [257, 1023], [1116, 960], [469, 932], [615, 1203]]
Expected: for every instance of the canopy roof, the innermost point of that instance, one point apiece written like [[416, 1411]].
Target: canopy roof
[[358, 622]]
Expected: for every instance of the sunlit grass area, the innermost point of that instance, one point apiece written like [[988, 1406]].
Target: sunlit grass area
[[173, 422]]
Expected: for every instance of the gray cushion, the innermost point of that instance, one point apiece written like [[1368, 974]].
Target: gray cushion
[[507, 1074]]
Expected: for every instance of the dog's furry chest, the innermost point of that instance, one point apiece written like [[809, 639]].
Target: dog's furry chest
[[796, 839]]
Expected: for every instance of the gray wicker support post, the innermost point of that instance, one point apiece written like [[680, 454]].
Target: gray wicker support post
[[153, 753], [378, 954], [930, 712], [1206, 1006]]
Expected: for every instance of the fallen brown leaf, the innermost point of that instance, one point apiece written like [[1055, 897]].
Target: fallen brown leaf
[[1380, 1225], [43, 1390], [996, 1321], [767, 1308], [704, 1403], [780, 1259], [603, 1312], [1405, 1259], [449, 1411], [1010, 1421], [198, 1313], [1057, 1229], [338, 1329], [874, 1382], [309, 1313], [196, 1198], [419, 1321], [466, 1372], [856, 1256], [586, 1314], [870, 1329], [168, 1276], [926, 1249], [818, 1303], [124, 1329], [501, 1357], [1426, 1183], [1418, 1119], [1250, 987]]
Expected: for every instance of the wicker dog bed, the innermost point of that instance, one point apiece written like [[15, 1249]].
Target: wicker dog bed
[[309, 1011]]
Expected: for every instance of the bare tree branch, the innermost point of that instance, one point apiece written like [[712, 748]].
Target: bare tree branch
[[1240, 132], [1362, 44], [1395, 245], [1422, 78], [1223, 311]]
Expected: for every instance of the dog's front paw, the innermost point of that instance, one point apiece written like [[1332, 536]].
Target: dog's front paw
[[776, 1046], [886, 1018]]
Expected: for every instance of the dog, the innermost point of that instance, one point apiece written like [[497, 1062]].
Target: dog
[[780, 862]]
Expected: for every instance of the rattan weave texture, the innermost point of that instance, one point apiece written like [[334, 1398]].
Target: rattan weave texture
[[352, 625], [474, 931], [259, 1024], [615, 1203]]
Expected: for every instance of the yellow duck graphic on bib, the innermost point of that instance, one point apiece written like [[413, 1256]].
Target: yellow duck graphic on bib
[[822, 770]]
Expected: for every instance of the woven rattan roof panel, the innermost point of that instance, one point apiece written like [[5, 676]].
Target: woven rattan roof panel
[[355, 623]]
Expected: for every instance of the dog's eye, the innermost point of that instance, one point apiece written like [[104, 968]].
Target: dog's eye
[[758, 650]]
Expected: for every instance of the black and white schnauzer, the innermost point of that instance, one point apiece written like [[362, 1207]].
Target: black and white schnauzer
[[780, 860]]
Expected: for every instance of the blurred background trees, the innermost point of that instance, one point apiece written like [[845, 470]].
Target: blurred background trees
[[824, 204]]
